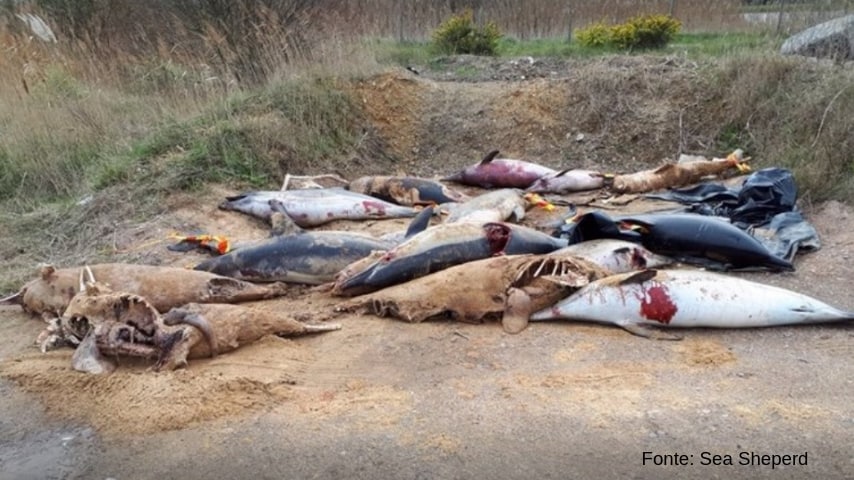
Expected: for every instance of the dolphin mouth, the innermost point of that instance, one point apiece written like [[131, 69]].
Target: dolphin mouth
[[357, 284]]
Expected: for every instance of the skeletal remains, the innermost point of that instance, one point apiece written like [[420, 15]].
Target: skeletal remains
[[165, 287], [102, 323], [510, 287]]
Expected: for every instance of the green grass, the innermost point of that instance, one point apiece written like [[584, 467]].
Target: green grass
[[249, 141], [694, 45], [698, 45]]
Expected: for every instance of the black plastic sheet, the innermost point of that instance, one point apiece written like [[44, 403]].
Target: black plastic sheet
[[765, 205]]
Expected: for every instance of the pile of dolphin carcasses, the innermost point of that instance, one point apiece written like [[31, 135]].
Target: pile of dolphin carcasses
[[464, 257]]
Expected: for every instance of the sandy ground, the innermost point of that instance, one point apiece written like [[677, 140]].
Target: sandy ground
[[387, 399], [383, 398]]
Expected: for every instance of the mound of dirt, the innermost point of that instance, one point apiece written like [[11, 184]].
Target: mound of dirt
[[618, 114], [134, 400]]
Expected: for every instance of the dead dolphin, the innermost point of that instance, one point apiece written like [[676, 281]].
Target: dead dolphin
[[494, 206], [312, 207], [569, 180], [688, 298], [294, 255], [616, 256], [231, 326], [304, 257], [165, 287], [118, 323], [672, 175], [406, 191], [709, 241], [442, 246], [494, 172], [510, 287]]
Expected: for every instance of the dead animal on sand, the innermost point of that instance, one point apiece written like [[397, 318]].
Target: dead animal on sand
[[637, 301], [295, 255], [165, 287], [111, 324], [406, 191], [570, 180], [440, 247], [616, 256], [509, 287], [493, 172], [313, 207], [506, 204], [678, 174]]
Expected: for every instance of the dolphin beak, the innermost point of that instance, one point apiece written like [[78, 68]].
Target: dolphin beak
[[357, 284], [453, 178], [575, 218], [633, 227]]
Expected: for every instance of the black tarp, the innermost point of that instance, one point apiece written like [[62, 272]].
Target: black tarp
[[764, 205]]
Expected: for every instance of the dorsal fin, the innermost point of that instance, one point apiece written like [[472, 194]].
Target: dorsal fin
[[664, 168], [562, 172], [282, 223], [489, 157], [420, 222], [639, 277]]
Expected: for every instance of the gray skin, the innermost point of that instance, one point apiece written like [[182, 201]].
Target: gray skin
[[567, 181], [294, 255], [443, 246], [492, 172], [495, 206], [406, 190], [309, 257], [312, 207], [616, 256]]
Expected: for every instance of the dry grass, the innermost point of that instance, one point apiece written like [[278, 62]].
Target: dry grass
[[120, 116]]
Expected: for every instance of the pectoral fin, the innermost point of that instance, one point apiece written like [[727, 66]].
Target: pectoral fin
[[87, 358], [646, 332], [517, 311]]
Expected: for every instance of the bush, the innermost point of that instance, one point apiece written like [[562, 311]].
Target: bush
[[596, 35], [645, 31], [459, 34]]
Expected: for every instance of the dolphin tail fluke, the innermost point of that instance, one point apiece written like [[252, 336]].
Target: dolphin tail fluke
[[489, 157]]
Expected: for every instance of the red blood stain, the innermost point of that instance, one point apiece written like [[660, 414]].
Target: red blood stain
[[377, 207], [657, 305], [497, 236]]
